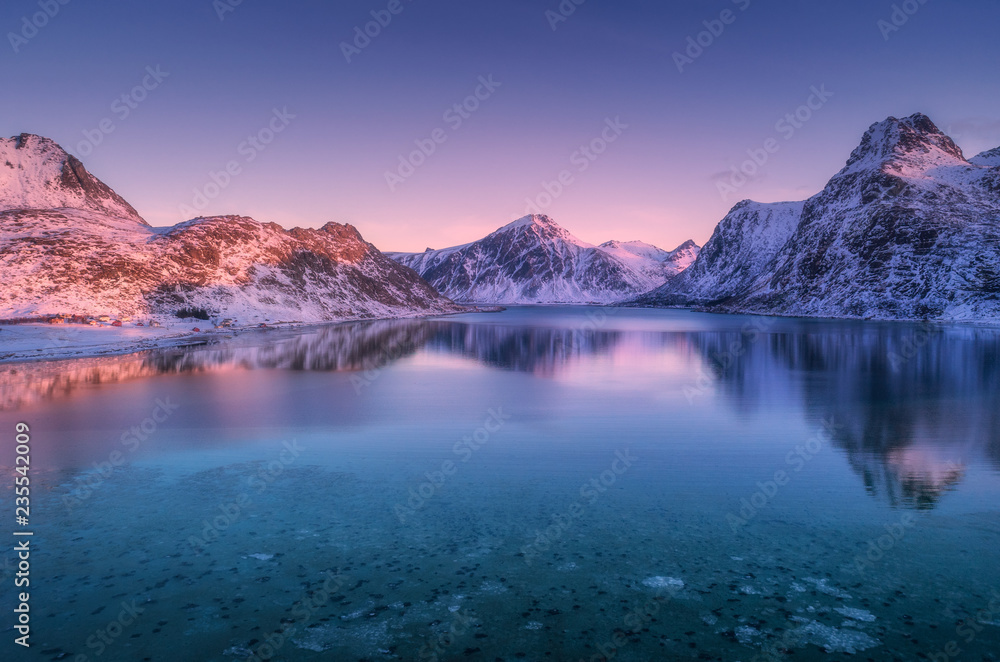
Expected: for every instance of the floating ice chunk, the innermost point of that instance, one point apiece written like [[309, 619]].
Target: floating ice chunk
[[746, 634], [663, 582], [567, 567], [710, 619], [533, 625], [493, 587], [749, 590], [822, 586], [832, 639], [856, 614], [261, 557]]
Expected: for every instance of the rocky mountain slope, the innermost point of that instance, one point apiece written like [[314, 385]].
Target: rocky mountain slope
[[908, 229], [69, 244], [534, 260], [742, 246]]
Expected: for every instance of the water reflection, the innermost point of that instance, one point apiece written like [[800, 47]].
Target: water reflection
[[917, 405]]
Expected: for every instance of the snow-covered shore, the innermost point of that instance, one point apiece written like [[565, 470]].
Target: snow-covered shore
[[50, 342], [34, 342]]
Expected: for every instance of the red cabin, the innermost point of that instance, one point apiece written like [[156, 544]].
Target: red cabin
[[116, 323]]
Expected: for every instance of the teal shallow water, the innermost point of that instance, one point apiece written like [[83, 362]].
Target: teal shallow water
[[539, 484]]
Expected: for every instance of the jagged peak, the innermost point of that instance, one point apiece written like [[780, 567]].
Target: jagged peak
[[541, 226], [532, 219], [36, 173], [898, 138]]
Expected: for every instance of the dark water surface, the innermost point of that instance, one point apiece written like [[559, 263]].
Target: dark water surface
[[538, 484]]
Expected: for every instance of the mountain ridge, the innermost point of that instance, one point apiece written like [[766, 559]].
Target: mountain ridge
[[907, 229], [70, 244], [535, 260]]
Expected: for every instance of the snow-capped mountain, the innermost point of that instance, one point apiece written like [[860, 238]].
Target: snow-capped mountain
[[36, 173], [534, 260], [990, 158], [69, 244], [741, 247], [908, 229]]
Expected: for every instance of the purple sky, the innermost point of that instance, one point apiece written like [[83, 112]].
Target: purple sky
[[609, 68]]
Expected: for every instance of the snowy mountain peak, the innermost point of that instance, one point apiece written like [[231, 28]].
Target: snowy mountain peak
[[908, 230], [990, 158], [535, 260], [910, 139], [36, 173], [541, 227]]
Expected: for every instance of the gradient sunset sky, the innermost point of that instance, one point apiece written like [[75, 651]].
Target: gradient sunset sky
[[557, 89]]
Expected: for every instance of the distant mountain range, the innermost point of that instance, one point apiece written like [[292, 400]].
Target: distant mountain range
[[908, 229], [534, 260], [70, 244]]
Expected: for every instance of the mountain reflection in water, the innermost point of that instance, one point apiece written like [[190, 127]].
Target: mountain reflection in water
[[915, 405]]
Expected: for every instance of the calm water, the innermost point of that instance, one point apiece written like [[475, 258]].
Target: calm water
[[538, 484]]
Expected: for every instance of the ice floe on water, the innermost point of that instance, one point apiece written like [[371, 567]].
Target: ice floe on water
[[856, 614], [831, 639], [261, 557], [663, 582], [746, 634], [533, 625], [823, 587], [492, 587]]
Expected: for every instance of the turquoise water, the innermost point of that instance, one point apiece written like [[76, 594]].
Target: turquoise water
[[538, 484]]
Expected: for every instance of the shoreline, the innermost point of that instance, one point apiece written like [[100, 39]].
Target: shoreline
[[37, 342]]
